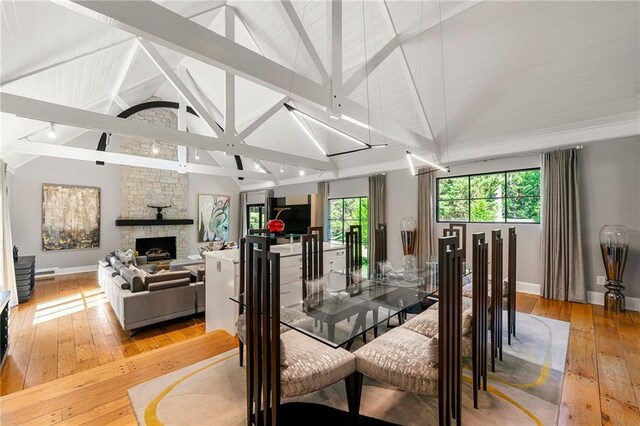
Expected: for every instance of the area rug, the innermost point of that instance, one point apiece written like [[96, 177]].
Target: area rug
[[525, 388]]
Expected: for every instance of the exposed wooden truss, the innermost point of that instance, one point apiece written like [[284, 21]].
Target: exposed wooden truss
[[46, 111], [82, 154], [155, 23]]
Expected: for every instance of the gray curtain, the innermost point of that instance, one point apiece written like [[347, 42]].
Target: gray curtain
[[322, 208], [7, 277], [242, 215], [377, 208], [426, 216], [562, 259]]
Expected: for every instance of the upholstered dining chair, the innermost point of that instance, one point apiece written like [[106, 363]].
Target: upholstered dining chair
[[283, 365], [424, 355], [288, 315]]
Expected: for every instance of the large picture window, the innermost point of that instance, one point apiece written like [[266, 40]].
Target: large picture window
[[344, 212], [509, 196]]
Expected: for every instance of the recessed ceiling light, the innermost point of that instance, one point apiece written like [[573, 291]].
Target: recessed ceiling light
[[52, 132]]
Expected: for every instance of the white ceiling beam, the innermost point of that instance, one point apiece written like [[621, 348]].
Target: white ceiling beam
[[406, 70], [365, 69], [124, 70], [216, 112], [255, 124], [216, 5], [178, 84], [296, 28], [336, 56], [82, 154], [229, 78], [50, 112], [153, 22]]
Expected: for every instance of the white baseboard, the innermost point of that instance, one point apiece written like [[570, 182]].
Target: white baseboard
[[47, 272], [596, 298], [530, 288]]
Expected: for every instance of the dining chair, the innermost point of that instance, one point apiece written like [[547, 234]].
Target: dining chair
[[312, 258], [497, 250], [288, 315], [425, 357], [480, 312], [283, 365], [380, 247], [511, 283], [353, 240], [259, 231], [459, 230]]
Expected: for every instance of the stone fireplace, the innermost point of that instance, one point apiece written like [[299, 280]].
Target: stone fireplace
[[144, 186]]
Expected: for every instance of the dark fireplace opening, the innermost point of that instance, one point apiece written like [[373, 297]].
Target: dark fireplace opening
[[157, 249]]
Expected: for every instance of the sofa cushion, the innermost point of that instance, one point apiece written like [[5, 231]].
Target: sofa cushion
[[149, 269], [166, 276], [111, 271], [112, 260], [121, 282], [117, 265], [161, 285], [133, 279], [104, 263]]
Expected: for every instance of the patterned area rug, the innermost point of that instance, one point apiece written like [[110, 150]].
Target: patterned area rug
[[525, 389]]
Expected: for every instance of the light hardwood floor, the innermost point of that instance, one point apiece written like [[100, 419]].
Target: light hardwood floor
[[68, 327], [601, 386]]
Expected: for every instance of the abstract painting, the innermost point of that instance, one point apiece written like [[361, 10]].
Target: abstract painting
[[70, 217], [213, 217]]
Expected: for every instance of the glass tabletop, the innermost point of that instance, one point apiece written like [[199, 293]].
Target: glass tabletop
[[338, 307]]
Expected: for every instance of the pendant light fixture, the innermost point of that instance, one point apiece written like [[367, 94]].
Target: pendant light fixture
[[411, 155]]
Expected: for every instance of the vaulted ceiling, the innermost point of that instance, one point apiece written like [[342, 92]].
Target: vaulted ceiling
[[454, 81]]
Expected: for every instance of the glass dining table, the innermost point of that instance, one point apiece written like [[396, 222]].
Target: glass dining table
[[338, 307]]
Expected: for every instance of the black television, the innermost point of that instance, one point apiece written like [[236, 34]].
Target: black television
[[296, 220]]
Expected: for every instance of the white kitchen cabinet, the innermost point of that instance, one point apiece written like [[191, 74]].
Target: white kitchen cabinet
[[222, 279]]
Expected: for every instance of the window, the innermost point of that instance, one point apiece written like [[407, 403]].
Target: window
[[510, 196], [344, 212], [255, 216]]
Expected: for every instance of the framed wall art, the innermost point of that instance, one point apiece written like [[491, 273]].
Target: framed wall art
[[70, 217], [213, 217]]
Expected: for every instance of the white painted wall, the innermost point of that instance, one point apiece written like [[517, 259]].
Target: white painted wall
[[610, 178], [26, 208]]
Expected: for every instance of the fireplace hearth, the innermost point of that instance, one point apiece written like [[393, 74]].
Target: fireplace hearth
[[157, 249]]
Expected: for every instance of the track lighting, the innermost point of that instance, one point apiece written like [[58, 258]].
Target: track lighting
[[197, 154], [52, 132], [154, 147], [429, 163]]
